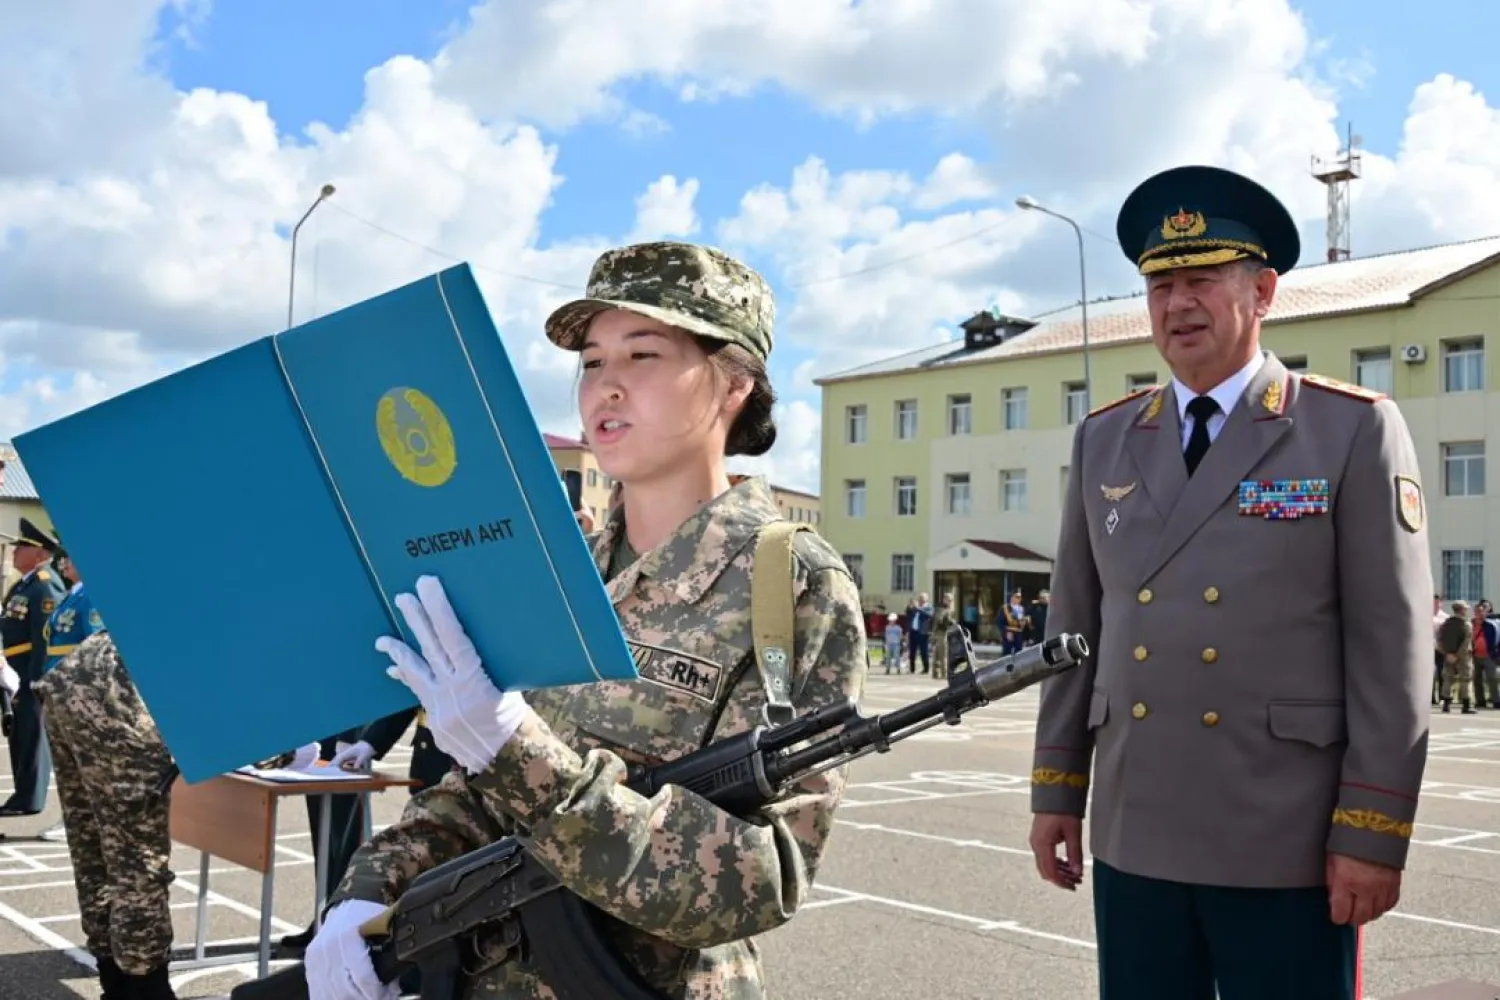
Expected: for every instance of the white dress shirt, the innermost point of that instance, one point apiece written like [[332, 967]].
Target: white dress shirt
[[1227, 394]]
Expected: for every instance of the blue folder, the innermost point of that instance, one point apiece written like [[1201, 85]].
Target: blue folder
[[245, 524]]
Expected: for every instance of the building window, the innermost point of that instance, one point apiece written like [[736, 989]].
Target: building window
[[1463, 366], [1015, 409], [1463, 469], [1062, 485], [1013, 489], [958, 493], [960, 414], [858, 421], [1297, 364], [854, 491], [1372, 369], [1463, 574], [1075, 402], [903, 574], [856, 566], [906, 496], [906, 420], [593, 477]]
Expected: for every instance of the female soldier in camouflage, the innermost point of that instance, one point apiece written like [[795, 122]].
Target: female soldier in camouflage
[[674, 340]]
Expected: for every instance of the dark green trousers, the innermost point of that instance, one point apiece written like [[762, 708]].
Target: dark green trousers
[[1173, 941]]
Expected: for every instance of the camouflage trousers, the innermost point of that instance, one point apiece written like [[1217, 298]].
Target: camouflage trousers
[[1458, 680], [109, 758]]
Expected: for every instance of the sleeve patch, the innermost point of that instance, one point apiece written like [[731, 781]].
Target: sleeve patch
[[1409, 504]]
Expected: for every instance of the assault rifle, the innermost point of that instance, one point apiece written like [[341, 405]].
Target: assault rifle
[[502, 892]]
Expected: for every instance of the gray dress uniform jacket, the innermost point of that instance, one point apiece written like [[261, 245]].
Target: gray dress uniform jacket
[[1259, 689]]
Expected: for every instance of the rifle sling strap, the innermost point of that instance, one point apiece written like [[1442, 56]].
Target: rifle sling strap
[[773, 616]]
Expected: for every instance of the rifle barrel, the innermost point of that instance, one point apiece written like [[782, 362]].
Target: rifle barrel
[[966, 690]]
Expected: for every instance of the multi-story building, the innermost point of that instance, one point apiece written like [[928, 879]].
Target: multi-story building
[[795, 505], [573, 454], [944, 468]]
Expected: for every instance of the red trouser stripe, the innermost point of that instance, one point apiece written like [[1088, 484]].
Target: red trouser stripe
[[1359, 963]]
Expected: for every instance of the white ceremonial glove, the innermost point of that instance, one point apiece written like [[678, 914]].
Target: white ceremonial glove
[[9, 679], [337, 961], [353, 758], [304, 757], [470, 719]]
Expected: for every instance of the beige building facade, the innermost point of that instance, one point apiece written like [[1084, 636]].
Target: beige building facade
[[943, 469], [571, 453]]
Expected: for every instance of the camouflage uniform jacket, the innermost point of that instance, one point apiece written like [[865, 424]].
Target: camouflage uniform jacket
[[697, 882]]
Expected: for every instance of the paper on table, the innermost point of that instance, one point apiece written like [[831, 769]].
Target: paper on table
[[311, 774]]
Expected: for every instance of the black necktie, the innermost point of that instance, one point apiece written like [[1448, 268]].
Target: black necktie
[[1200, 408]]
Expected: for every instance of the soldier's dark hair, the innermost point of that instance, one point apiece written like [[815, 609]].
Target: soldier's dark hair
[[754, 429]]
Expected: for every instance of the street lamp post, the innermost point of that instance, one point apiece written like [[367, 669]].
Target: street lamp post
[[291, 288], [1031, 204]]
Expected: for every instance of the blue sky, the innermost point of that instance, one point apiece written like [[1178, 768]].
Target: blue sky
[[246, 46], [307, 62], [1070, 107]]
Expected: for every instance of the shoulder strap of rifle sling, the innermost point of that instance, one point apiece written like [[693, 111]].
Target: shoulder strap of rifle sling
[[773, 616]]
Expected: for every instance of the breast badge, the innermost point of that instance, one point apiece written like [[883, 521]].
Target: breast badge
[[1113, 495], [1283, 499]]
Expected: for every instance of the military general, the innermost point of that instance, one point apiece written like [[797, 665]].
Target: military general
[[1245, 549]]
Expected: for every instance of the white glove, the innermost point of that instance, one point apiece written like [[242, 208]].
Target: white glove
[[9, 679], [470, 719], [337, 961], [353, 758], [304, 757]]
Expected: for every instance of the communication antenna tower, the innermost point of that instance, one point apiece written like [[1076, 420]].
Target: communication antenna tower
[[1336, 173]]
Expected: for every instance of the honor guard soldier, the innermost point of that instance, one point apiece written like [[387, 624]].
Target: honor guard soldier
[[1245, 549], [75, 618], [28, 606]]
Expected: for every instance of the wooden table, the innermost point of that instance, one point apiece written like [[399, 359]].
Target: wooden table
[[233, 817]]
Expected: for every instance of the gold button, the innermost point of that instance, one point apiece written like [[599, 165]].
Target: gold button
[[1211, 595], [1144, 596], [1138, 710], [1210, 655], [1210, 718], [1140, 653]]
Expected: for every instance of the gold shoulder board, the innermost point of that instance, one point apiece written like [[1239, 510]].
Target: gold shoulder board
[[1136, 394], [1339, 388]]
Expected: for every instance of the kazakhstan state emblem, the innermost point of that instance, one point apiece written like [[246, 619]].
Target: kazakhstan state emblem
[[415, 436], [1183, 225]]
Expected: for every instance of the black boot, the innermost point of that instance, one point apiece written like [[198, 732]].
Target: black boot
[[1447, 704], [154, 985], [112, 980], [1468, 709]]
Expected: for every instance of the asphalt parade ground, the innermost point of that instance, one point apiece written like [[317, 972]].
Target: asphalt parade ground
[[929, 889]]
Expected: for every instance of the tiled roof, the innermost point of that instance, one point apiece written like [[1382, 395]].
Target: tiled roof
[[1364, 284], [557, 441], [1006, 550], [18, 484]]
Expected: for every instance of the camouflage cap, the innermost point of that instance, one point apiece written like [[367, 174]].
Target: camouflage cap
[[698, 289]]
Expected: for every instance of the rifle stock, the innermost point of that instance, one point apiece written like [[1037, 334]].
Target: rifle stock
[[501, 888]]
